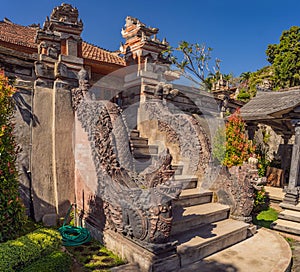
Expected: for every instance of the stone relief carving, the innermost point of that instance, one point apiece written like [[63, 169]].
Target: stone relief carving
[[81, 91], [235, 187], [137, 205], [50, 49], [182, 128], [172, 136], [164, 90]]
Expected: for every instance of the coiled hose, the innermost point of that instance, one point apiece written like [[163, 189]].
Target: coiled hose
[[71, 235]]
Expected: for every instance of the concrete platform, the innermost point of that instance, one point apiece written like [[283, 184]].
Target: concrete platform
[[266, 251]]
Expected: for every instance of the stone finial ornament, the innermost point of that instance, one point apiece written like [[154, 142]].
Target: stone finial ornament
[[65, 13]]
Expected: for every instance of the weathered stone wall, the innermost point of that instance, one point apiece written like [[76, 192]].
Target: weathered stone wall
[[20, 68], [24, 121]]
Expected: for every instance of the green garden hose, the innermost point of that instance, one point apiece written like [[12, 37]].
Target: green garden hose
[[71, 235]]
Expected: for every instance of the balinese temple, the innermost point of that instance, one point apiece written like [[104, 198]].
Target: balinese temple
[[119, 135]]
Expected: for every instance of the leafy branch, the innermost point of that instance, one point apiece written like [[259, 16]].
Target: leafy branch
[[194, 59]]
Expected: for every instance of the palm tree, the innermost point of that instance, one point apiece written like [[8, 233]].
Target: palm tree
[[245, 76]]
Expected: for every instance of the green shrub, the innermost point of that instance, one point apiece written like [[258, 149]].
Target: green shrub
[[56, 261], [12, 211], [231, 144], [266, 218], [261, 200], [15, 254]]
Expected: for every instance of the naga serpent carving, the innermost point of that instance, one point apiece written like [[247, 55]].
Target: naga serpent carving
[[181, 128], [136, 205]]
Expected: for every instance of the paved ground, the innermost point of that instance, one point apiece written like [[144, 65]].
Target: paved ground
[[296, 256], [294, 242], [266, 251]]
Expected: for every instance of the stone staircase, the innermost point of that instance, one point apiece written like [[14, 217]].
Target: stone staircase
[[201, 226], [143, 153], [288, 220]]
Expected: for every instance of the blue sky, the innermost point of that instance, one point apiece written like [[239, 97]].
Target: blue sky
[[239, 31]]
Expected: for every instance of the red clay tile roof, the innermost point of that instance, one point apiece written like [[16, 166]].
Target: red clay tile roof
[[25, 36], [93, 52], [17, 34]]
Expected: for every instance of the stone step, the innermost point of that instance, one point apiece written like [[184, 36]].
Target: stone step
[[139, 141], [141, 157], [134, 133], [145, 149], [188, 182], [199, 243], [191, 197], [142, 161], [290, 215], [290, 206], [194, 216], [131, 267], [266, 251], [178, 169], [141, 165], [286, 226]]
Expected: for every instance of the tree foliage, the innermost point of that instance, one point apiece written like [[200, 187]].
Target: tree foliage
[[285, 59], [194, 61], [12, 216]]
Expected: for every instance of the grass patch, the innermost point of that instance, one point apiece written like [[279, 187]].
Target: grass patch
[[54, 262], [266, 218], [39, 250], [94, 257]]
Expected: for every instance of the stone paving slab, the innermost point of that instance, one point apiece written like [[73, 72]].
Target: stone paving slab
[[294, 241], [266, 251]]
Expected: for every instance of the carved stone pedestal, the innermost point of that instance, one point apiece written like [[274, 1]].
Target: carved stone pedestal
[[166, 260], [291, 196]]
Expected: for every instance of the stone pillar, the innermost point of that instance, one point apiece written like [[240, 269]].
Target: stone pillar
[[41, 157], [285, 163], [292, 191]]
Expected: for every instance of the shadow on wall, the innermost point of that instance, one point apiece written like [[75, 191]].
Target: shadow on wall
[[95, 216], [24, 108], [40, 208], [25, 192]]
